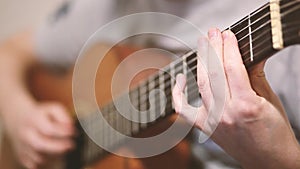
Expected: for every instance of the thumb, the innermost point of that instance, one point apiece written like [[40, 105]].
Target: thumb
[[262, 87]]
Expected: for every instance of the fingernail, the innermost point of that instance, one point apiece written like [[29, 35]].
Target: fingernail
[[213, 32], [226, 34]]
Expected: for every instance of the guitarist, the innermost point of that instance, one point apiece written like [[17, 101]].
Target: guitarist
[[40, 131]]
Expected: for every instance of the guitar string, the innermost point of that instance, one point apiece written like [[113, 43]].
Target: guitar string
[[259, 28], [192, 61], [262, 8], [266, 6], [248, 59], [265, 24], [294, 37], [101, 153], [265, 39], [261, 35], [192, 69]]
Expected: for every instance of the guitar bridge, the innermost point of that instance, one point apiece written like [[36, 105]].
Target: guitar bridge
[[277, 36]]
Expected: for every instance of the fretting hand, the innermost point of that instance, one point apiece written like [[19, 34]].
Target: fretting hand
[[252, 129]]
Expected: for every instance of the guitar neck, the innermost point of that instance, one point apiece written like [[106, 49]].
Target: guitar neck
[[257, 40]]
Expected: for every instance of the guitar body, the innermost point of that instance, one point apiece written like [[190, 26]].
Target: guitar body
[[49, 86]]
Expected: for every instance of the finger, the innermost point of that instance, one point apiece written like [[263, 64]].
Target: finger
[[178, 96], [57, 118], [216, 72], [238, 81], [216, 41], [27, 163], [202, 72], [35, 158], [28, 159], [191, 114], [48, 128], [59, 113], [46, 145]]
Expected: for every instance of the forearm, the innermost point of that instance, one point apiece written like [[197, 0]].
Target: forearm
[[16, 55], [279, 149], [290, 159]]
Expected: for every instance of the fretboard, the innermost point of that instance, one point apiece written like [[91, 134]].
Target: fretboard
[[254, 34]]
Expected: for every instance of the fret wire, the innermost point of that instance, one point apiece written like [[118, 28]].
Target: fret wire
[[172, 75], [106, 116], [143, 107], [134, 125], [185, 67], [111, 120], [152, 102], [117, 127], [162, 108], [250, 39], [167, 90]]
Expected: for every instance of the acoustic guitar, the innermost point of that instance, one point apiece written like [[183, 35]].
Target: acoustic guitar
[[261, 34]]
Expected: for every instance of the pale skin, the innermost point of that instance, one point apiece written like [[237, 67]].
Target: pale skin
[[38, 131], [254, 128]]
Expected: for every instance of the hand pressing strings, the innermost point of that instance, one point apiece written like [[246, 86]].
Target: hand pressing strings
[[252, 129]]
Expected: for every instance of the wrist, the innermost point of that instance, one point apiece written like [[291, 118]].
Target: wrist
[[14, 103]]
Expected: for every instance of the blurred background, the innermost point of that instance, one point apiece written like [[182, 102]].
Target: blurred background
[[16, 15]]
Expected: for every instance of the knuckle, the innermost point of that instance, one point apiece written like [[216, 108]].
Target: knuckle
[[202, 83], [249, 109], [229, 66], [227, 121]]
